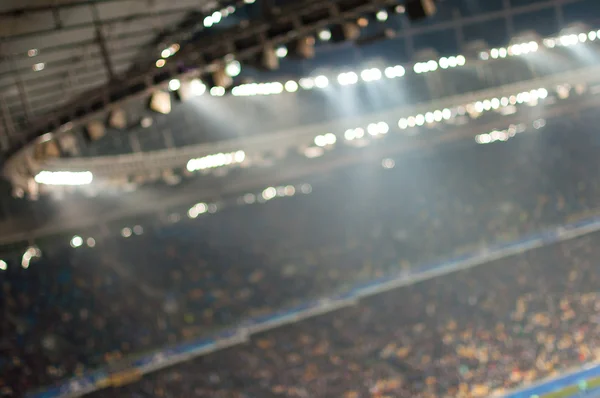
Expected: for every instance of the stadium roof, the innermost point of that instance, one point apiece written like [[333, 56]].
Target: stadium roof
[[52, 52]]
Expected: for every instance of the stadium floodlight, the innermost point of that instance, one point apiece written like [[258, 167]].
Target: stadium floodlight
[[281, 51], [216, 160], [369, 75], [76, 241], [269, 193], [217, 91], [388, 163], [325, 35], [394, 71], [31, 253], [321, 81], [307, 83], [233, 68], [382, 15], [347, 78], [71, 178], [174, 84], [291, 86]]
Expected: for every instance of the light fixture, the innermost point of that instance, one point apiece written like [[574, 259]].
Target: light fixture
[[321, 81], [126, 232], [197, 88], [217, 91], [347, 78], [382, 15], [64, 177], [3, 265], [388, 163], [174, 84], [291, 86], [38, 67], [76, 241], [233, 68], [33, 52], [281, 52], [325, 35]]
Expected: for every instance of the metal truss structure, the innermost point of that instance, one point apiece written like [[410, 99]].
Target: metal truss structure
[[94, 44], [254, 178]]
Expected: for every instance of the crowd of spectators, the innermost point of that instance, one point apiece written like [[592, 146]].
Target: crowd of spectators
[[76, 309], [476, 333]]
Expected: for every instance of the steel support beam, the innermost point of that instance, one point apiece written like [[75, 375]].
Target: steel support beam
[[102, 43], [195, 53]]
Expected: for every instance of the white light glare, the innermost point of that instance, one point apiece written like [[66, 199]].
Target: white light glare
[[3, 265], [39, 67], [197, 88], [291, 86], [269, 193], [216, 160], [64, 177], [252, 89], [382, 15], [375, 129], [429, 66], [369, 75], [307, 83], [347, 78], [394, 71], [326, 139], [197, 209], [76, 241], [281, 52], [31, 252], [174, 85], [388, 163], [321, 81], [126, 232], [233, 68], [593, 35], [352, 134], [217, 91], [325, 35]]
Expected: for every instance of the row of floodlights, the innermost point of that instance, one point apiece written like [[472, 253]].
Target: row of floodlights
[[506, 134], [64, 177], [566, 40], [67, 178], [32, 252], [216, 160], [571, 39], [347, 78], [475, 109]]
